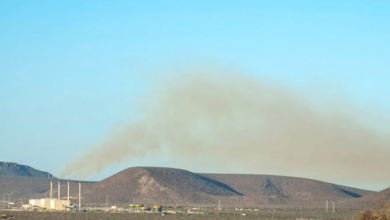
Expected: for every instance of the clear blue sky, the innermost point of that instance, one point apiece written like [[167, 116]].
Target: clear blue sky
[[69, 70]]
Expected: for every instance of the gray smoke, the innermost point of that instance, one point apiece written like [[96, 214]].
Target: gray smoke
[[227, 122]]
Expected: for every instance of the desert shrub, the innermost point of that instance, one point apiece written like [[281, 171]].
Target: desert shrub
[[386, 205], [373, 215]]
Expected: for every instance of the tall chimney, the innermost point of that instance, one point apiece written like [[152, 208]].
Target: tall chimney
[[68, 190], [79, 196], [59, 190], [51, 189]]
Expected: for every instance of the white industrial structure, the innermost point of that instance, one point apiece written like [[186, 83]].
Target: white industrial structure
[[59, 190], [79, 196], [51, 203]]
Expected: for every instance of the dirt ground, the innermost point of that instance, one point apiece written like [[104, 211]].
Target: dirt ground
[[24, 215]]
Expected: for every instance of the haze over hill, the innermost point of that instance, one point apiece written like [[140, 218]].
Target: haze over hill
[[288, 88], [219, 120]]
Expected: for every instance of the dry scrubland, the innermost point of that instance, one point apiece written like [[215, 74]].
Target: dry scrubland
[[370, 214], [373, 215], [286, 214]]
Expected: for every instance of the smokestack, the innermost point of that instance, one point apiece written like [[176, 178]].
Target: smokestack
[[79, 196], [326, 207], [333, 209], [68, 190], [59, 190], [51, 189]]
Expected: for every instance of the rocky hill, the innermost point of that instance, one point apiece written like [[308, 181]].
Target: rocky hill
[[21, 182], [175, 186], [159, 185], [373, 200], [282, 190], [14, 169], [168, 186], [25, 188]]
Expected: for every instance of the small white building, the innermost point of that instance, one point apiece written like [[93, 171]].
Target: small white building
[[49, 204]]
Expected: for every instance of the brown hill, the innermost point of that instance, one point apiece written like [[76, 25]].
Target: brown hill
[[24, 188], [175, 186], [14, 169], [280, 190], [158, 185], [373, 200], [153, 185]]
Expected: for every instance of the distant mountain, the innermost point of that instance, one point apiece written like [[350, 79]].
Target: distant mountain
[[14, 169], [168, 186]]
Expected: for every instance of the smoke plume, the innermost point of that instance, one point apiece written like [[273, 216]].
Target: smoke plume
[[227, 122]]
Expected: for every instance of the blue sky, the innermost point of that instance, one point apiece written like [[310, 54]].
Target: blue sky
[[70, 70]]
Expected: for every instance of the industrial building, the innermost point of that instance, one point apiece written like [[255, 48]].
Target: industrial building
[[54, 204], [49, 204]]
